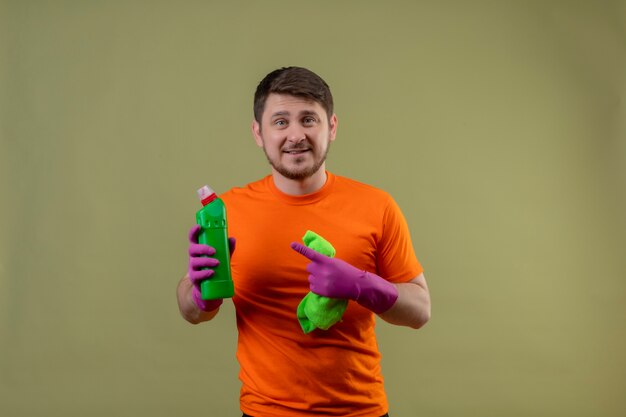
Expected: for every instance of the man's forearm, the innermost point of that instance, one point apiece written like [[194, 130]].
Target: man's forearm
[[186, 305], [412, 308]]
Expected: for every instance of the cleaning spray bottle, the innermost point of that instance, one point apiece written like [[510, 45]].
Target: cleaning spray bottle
[[212, 219]]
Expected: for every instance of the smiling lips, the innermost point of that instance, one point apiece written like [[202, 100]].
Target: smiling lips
[[296, 151]]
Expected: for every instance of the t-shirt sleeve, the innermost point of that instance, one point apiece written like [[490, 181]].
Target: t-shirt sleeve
[[396, 260]]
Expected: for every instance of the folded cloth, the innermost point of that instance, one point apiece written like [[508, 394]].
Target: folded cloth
[[316, 311]]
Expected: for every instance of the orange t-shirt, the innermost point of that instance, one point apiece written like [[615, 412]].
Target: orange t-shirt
[[283, 371]]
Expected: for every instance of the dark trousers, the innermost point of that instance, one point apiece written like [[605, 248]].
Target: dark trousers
[[245, 415]]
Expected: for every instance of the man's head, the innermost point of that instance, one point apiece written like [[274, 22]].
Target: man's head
[[294, 122], [293, 81]]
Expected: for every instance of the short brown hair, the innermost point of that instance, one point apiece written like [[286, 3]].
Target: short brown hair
[[294, 81]]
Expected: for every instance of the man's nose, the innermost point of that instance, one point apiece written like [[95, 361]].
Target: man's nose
[[296, 134]]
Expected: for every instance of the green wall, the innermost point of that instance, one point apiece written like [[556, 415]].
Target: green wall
[[499, 127]]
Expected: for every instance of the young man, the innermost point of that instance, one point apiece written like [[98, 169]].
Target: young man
[[285, 372]]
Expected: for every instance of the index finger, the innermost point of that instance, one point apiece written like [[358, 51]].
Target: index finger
[[306, 252]]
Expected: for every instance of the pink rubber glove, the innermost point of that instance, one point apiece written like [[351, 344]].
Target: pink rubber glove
[[199, 259], [334, 278]]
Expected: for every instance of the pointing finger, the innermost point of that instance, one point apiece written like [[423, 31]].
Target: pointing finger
[[306, 252]]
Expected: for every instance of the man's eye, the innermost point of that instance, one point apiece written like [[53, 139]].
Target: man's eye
[[280, 122], [309, 120]]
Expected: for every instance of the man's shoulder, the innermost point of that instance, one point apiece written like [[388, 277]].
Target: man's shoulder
[[360, 188], [255, 187]]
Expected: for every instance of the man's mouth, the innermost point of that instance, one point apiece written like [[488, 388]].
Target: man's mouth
[[296, 151]]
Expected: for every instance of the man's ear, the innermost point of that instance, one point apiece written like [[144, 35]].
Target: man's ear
[[333, 127], [256, 132]]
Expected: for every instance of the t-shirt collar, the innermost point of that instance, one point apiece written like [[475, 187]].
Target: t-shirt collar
[[305, 198]]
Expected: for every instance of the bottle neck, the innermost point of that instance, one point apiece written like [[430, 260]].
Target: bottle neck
[[208, 199]]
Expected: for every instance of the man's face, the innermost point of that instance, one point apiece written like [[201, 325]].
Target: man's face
[[295, 135]]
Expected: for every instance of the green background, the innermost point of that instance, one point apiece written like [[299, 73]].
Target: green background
[[498, 126]]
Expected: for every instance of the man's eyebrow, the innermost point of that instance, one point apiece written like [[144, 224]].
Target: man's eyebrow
[[302, 113]]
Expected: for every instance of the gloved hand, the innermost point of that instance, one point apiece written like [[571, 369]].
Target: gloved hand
[[200, 259], [332, 277]]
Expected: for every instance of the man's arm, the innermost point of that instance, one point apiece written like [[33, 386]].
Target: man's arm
[[412, 307], [188, 308], [405, 304]]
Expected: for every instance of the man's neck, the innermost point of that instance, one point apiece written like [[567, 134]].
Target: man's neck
[[300, 187]]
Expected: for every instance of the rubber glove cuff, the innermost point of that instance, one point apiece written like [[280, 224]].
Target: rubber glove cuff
[[376, 294], [204, 305]]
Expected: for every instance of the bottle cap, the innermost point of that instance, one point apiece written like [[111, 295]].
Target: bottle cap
[[206, 195]]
